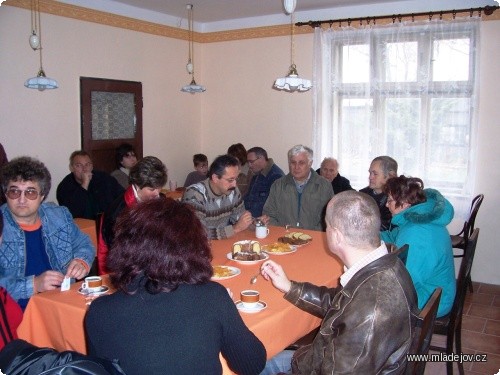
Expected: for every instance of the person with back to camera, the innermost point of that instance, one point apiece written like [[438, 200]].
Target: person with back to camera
[[368, 321], [41, 244], [167, 316], [125, 159], [200, 162], [381, 169], [421, 216], [147, 178]]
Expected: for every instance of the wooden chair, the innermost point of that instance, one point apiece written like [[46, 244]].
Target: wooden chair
[[451, 325], [423, 333], [458, 240]]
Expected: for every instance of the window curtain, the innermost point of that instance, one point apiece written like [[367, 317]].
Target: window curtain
[[408, 90]]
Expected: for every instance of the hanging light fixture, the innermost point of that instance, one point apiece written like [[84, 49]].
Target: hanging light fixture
[[292, 82], [41, 81], [193, 87]]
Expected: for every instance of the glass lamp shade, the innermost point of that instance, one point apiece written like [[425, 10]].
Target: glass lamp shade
[[41, 82], [292, 82], [289, 5], [193, 87]]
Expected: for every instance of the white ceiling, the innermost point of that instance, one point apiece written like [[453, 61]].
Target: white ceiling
[[218, 15]]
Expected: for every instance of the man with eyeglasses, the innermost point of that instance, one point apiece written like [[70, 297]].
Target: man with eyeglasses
[[265, 172], [41, 243], [299, 199], [218, 202], [87, 192]]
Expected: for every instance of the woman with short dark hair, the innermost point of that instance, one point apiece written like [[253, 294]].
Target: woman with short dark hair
[[125, 159], [419, 219], [166, 316]]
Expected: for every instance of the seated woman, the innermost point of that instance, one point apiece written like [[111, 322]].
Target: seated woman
[[166, 316], [420, 218], [147, 178], [125, 160]]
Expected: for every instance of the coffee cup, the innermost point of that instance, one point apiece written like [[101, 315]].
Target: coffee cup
[[261, 231], [249, 298], [92, 283]]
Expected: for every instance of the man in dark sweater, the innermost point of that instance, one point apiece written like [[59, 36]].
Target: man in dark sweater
[[381, 169], [85, 191], [330, 170]]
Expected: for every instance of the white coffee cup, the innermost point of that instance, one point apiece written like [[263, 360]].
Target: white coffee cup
[[261, 231], [92, 283]]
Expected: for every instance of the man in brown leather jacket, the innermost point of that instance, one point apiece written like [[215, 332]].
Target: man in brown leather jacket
[[368, 320]]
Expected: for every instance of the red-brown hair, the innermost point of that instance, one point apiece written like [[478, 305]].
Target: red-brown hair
[[405, 190], [162, 240]]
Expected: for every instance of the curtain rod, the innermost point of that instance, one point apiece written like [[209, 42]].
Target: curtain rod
[[488, 10]]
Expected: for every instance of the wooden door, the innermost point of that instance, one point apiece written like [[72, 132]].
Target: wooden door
[[111, 114]]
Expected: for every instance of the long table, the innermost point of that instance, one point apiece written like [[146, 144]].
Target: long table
[[55, 319]]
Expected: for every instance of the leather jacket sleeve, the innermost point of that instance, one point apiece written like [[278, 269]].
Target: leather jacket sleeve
[[313, 299]]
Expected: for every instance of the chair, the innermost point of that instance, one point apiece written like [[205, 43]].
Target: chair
[[450, 325], [423, 333], [458, 240]]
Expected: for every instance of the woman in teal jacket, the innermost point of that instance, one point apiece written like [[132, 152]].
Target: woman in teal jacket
[[419, 219]]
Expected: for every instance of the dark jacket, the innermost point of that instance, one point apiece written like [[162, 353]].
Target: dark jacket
[[103, 190], [339, 183], [381, 200], [21, 358], [367, 326], [260, 186]]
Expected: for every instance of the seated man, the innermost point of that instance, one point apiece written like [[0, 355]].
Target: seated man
[[381, 169], [41, 243], [86, 192], [147, 178], [299, 199], [368, 320], [217, 200], [265, 172], [329, 169]]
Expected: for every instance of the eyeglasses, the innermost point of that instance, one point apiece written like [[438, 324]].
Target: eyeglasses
[[390, 200], [14, 193], [129, 155], [230, 180], [253, 161]]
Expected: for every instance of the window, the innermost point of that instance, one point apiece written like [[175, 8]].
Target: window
[[406, 90]]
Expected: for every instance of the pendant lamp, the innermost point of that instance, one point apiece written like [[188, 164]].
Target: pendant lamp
[[193, 87], [41, 81], [292, 82]]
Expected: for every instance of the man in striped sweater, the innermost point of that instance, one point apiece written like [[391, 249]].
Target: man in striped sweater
[[218, 202]]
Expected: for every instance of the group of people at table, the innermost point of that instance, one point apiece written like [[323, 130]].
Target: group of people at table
[[167, 316]]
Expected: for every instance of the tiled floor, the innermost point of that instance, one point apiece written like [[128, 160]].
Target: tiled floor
[[480, 332]]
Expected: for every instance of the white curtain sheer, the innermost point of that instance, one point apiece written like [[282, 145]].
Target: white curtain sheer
[[407, 90]]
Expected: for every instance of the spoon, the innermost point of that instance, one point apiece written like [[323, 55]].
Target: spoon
[[253, 280]]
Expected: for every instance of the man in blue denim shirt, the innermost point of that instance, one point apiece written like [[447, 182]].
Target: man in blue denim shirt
[[41, 243], [265, 173]]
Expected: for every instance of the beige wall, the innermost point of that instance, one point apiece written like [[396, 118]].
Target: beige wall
[[238, 106]]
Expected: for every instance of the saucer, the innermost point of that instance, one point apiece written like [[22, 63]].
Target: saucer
[[261, 305], [103, 289]]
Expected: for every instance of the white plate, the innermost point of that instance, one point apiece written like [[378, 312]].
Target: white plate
[[261, 305], [234, 272], [230, 257], [86, 292], [293, 250]]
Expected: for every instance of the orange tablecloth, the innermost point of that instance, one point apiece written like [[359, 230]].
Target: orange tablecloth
[[88, 227], [55, 319]]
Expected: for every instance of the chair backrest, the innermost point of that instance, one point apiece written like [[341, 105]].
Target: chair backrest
[[423, 333], [463, 276], [474, 208]]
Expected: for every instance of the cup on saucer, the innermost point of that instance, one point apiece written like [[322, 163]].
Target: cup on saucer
[[249, 298]]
